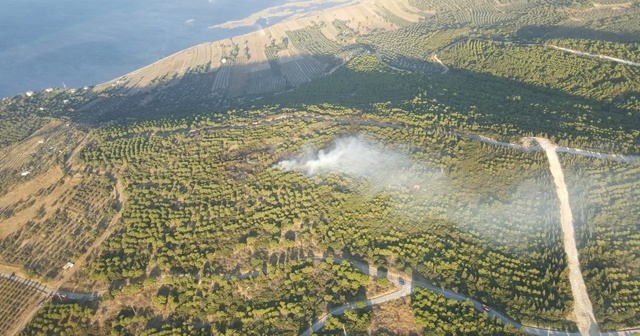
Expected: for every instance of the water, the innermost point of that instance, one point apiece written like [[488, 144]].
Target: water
[[47, 43]]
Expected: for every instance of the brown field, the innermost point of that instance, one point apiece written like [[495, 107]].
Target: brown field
[[249, 72], [395, 317], [24, 197], [51, 215], [58, 227], [35, 153], [51, 180]]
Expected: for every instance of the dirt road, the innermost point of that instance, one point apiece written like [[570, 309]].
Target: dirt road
[[609, 58], [445, 68], [582, 309]]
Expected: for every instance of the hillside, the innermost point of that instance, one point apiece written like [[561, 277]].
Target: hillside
[[453, 153]]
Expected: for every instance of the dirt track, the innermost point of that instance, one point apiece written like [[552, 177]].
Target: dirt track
[[609, 58], [582, 309], [445, 68]]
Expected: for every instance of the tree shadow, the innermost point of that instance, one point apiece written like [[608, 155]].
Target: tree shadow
[[461, 96], [565, 32]]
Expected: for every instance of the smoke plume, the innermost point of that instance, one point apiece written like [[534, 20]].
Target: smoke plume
[[355, 157]]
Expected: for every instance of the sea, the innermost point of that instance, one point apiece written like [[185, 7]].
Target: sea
[[75, 43]]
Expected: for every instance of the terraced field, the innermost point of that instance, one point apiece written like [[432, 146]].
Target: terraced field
[[47, 241], [250, 65]]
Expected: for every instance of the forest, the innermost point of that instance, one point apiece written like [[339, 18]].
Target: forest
[[329, 217], [177, 210], [205, 198], [195, 186]]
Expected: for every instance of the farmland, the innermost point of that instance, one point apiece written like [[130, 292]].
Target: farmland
[[275, 239], [404, 34], [15, 300], [48, 240], [272, 60]]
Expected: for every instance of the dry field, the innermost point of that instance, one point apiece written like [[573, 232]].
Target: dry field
[[58, 226], [394, 317], [51, 207], [240, 65], [57, 213], [27, 163], [34, 176]]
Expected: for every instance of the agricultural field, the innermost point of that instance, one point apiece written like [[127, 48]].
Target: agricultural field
[[61, 229], [25, 114], [70, 319], [35, 161], [283, 216], [52, 208], [16, 299], [542, 66]]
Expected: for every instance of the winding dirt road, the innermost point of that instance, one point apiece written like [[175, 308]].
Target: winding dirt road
[[445, 68], [408, 287]]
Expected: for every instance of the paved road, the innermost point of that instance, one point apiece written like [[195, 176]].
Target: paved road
[[405, 290], [408, 288]]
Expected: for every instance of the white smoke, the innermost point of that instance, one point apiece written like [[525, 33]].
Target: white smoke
[[355, 157]]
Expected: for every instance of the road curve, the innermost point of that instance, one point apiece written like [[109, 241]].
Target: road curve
[[405, 290], [408, 288], [445, 68]]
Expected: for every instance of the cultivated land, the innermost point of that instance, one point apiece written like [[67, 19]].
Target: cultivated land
[[164, 187], [18, 301]]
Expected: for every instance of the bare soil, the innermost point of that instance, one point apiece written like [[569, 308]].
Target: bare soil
[[582, 310], [394, 317]]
